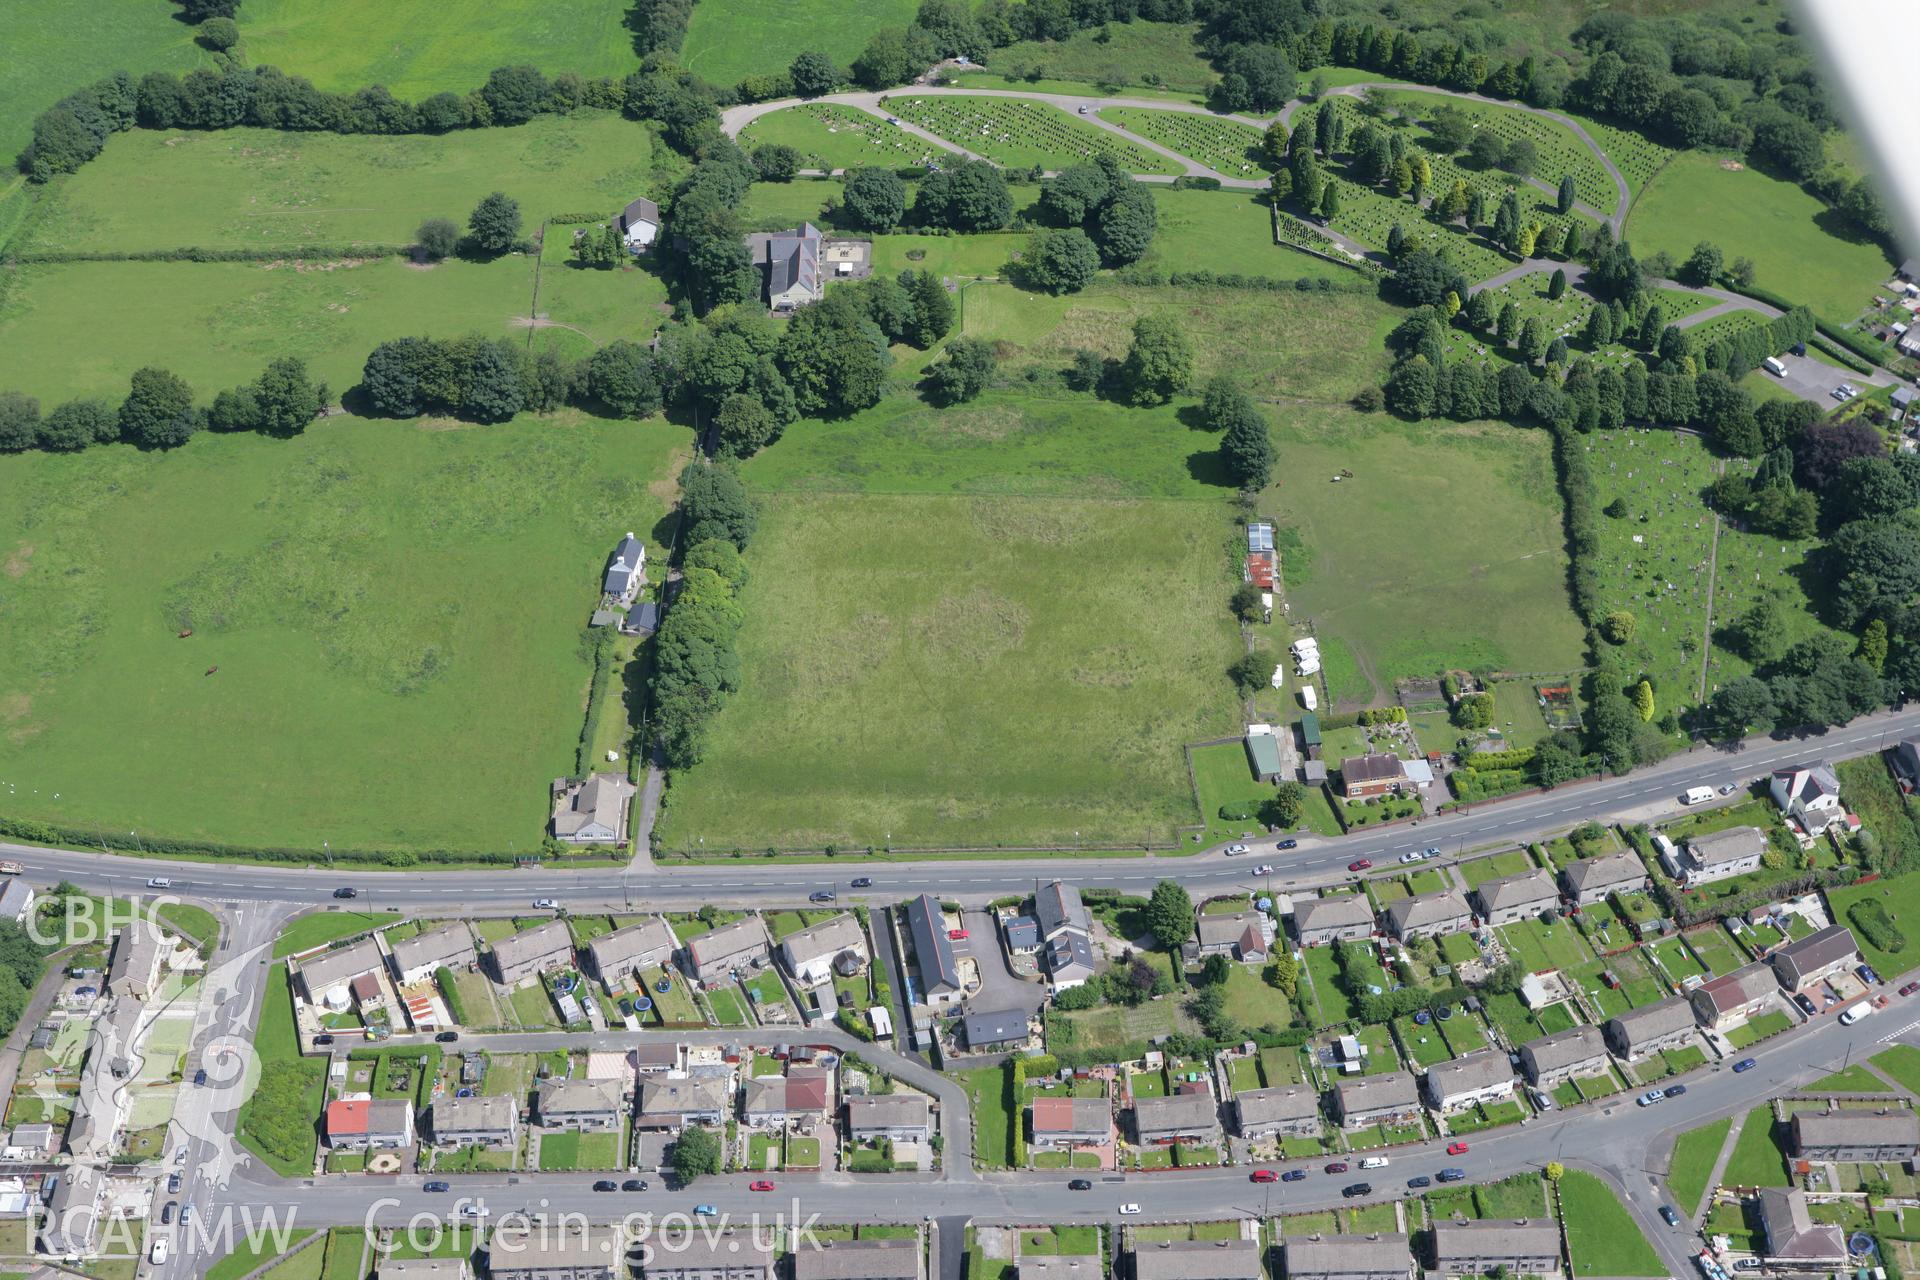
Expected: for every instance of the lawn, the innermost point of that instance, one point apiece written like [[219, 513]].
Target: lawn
[[1542, 946], [255, 1249], [1558, 148], [1758, 1159], [264, 188], [1782, 228], [1715, 949], [279, 1121], [1513, 862], [1694, 1154], [1151, 58], [991, 1104], [1496, 597], [1229, 231], [728, 40], [1855, 1079], [448, 46], [1602, 1238], [385, 649], [1901, 898], [321, 927], [830, 136], [574, 1150], [1902, 1063], [1757, 1029], [726, 1006], [1254, 1004], [1225, 781], [1423, 1043], [1020, 133], [876, 619]]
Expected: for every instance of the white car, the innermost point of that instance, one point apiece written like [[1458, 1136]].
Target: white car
[[1129, 1209], [159, 882], [1264, 869], [1415, 856], [545, 904], [1235, 849]]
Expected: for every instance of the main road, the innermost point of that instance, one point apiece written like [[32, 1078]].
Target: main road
[[1317, 861]]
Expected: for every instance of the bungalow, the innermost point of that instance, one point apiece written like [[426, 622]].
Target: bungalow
[[1792, 1238], [1234, 1259], [1179, 1117], [1727, 1002], [369, 1124], [1809, 795], [1512, 898], [1390, 1098], [1521, 1247], [1069, 1122], [1290, 1111], [488, 1120], [746, 1255], [898, 1117], [1485, 1076], [939, 971], [1816, 957], [1857, 1136], [1721, 855], [1023, 935], [1594, 880], [628, 572], [1243, 936], [999, 1029], [1377, 1256], [1552, 1060], [717, 955], [671, 1105], [1374, 774], [589, 1106], [813, 955], [790, 261], [532, 952], [1665, 1024], [617, 956], [325, 978], [640, 227], [1429, 915], [415, 959], [545, 1251], [802, 1095], [593, 811], [1344, 917], [860, 1260]]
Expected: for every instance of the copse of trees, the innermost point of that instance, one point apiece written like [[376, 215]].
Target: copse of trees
[[874, 199], [965, 371], [970, 196], [1246, 444], [1117, 214], [695, 665]]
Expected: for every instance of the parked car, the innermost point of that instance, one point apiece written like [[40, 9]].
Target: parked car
[[1353, 1189], [436, 1186], [1456, 1148], [346, 892], [861, 882], [1360, 864], [1288, 844], [1080, 1184], [761, 1184], [1433, 851], [173, 1184], [1294, 1175], [1675, 1090], [705, 1211], [545, 904], [166, 1213], [186, 1214], [1338, 1166], [325, 1037], [1910, 988], [447, 1037], [1866, 973], [820, 895], [1745, 1064], [159, 882], [1129, 1209], [1234, 850], [606, 1184], [958, 935], [634, 1184], [1746, 1264], [1452, 1175], [1263, 1175], [1421, 1180], [1799, 349], [200, 1076], [1413, 855], [1806, 1005], [1667, 1213], [1651, 1096], [1726, 788]]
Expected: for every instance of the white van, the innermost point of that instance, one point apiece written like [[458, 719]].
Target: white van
[[1775, 366], [159, 1250], [1856, 1012], [1374, 1162], [1697, 795]]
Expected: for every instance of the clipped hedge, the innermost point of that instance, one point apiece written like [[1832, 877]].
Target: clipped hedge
[[47, 833], [204, 253], [1486, 784], [443, 978]]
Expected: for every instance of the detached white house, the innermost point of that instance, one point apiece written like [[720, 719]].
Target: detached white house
[[1810, 796], [640, 225]]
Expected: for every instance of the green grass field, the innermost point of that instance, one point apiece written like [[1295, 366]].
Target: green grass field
[[929, 658], [728, 40], [1491, 594], [1228, 231], [1160, 58], [1694, 1154], [829, 136], [322, 927], [1602, 1238], [386, 605], [1757, 1159], [261, 188], [416, 50], [1020, 133], [1772, 221]]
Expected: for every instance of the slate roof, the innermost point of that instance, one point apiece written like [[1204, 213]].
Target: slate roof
[[887, 1110], [1176, 1111], [1857, 1127], [1602, 873], [1730, 845], [1371, 1093], [1058, 906], [1495, 1237], [1321, 1255], [1282, 1103], [1650, 1022], [640, 209], [939, 972], [743, 938], [446, 944], [858, 1260], [1815, 952], [1196, 1260], [1792, 1233], [1375, 766], [551, 938], [628, 557], [334, 967], [1474, 1072], [1428, 909], [828, 938], [998, 1027], [599, 801], [1345, 910], [1511, 893], [1563, 1049], [614, 951]]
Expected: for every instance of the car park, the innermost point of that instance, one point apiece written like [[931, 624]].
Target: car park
[[1672, 1218], [1420, 1180], [1456, 1148], [760, 1185], [1294, 1175], [1360, 864], [634, 1184], [1129, 1209], [1263, 1175], [1235, 850], [1353, 1189], [436, 1186], [1745, 1064], [1080, 1184], [606, 1184]]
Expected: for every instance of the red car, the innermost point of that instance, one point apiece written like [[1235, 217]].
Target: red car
[[1338, 1166], [762, 1185], [1910, 988], [1263, 1175], [1456, 1148], [1361, 864], [958, 935]]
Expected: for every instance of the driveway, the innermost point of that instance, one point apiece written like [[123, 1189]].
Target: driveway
[[999, 987]]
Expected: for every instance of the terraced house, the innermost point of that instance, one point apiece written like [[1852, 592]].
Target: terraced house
[[1429, 915], [449, 946], [1523, 1246], [1516, 897], [1555, 1059], [1665, 1024], [717, 955], [1480, 1077], [1390, 1098], [1291, 1111], [1815, 958], [1343, 917], [1863, 1135], [565, 1252], [1594, 880], [1727, 1002]]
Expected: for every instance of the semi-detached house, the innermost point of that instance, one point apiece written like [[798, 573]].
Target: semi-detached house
[[1197, 1260], [1485, 1076], [1728, 1001], [616, 956], [591, 1106], [1512, 898], [859, 1260], [1522, 1247], [899, 1117], [1552, 1060], [1857, 1135], [1665, 1024], [1815, 958], [810, 954], [1069, 1122], [1390, 1098], [486, 1120], [1379, 1256], [717, 955], [1344, 917], [1594, 880], [450, 946], [1429, 915], [1179, 1117], [532, 952], [1291, 1111]]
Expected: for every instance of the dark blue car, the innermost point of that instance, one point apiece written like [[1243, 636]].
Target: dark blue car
[[1745, 1064], [1422, 1180], [1294, 1175]]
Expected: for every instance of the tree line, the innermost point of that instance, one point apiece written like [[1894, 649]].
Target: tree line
[[158, 411], [695, 666]]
